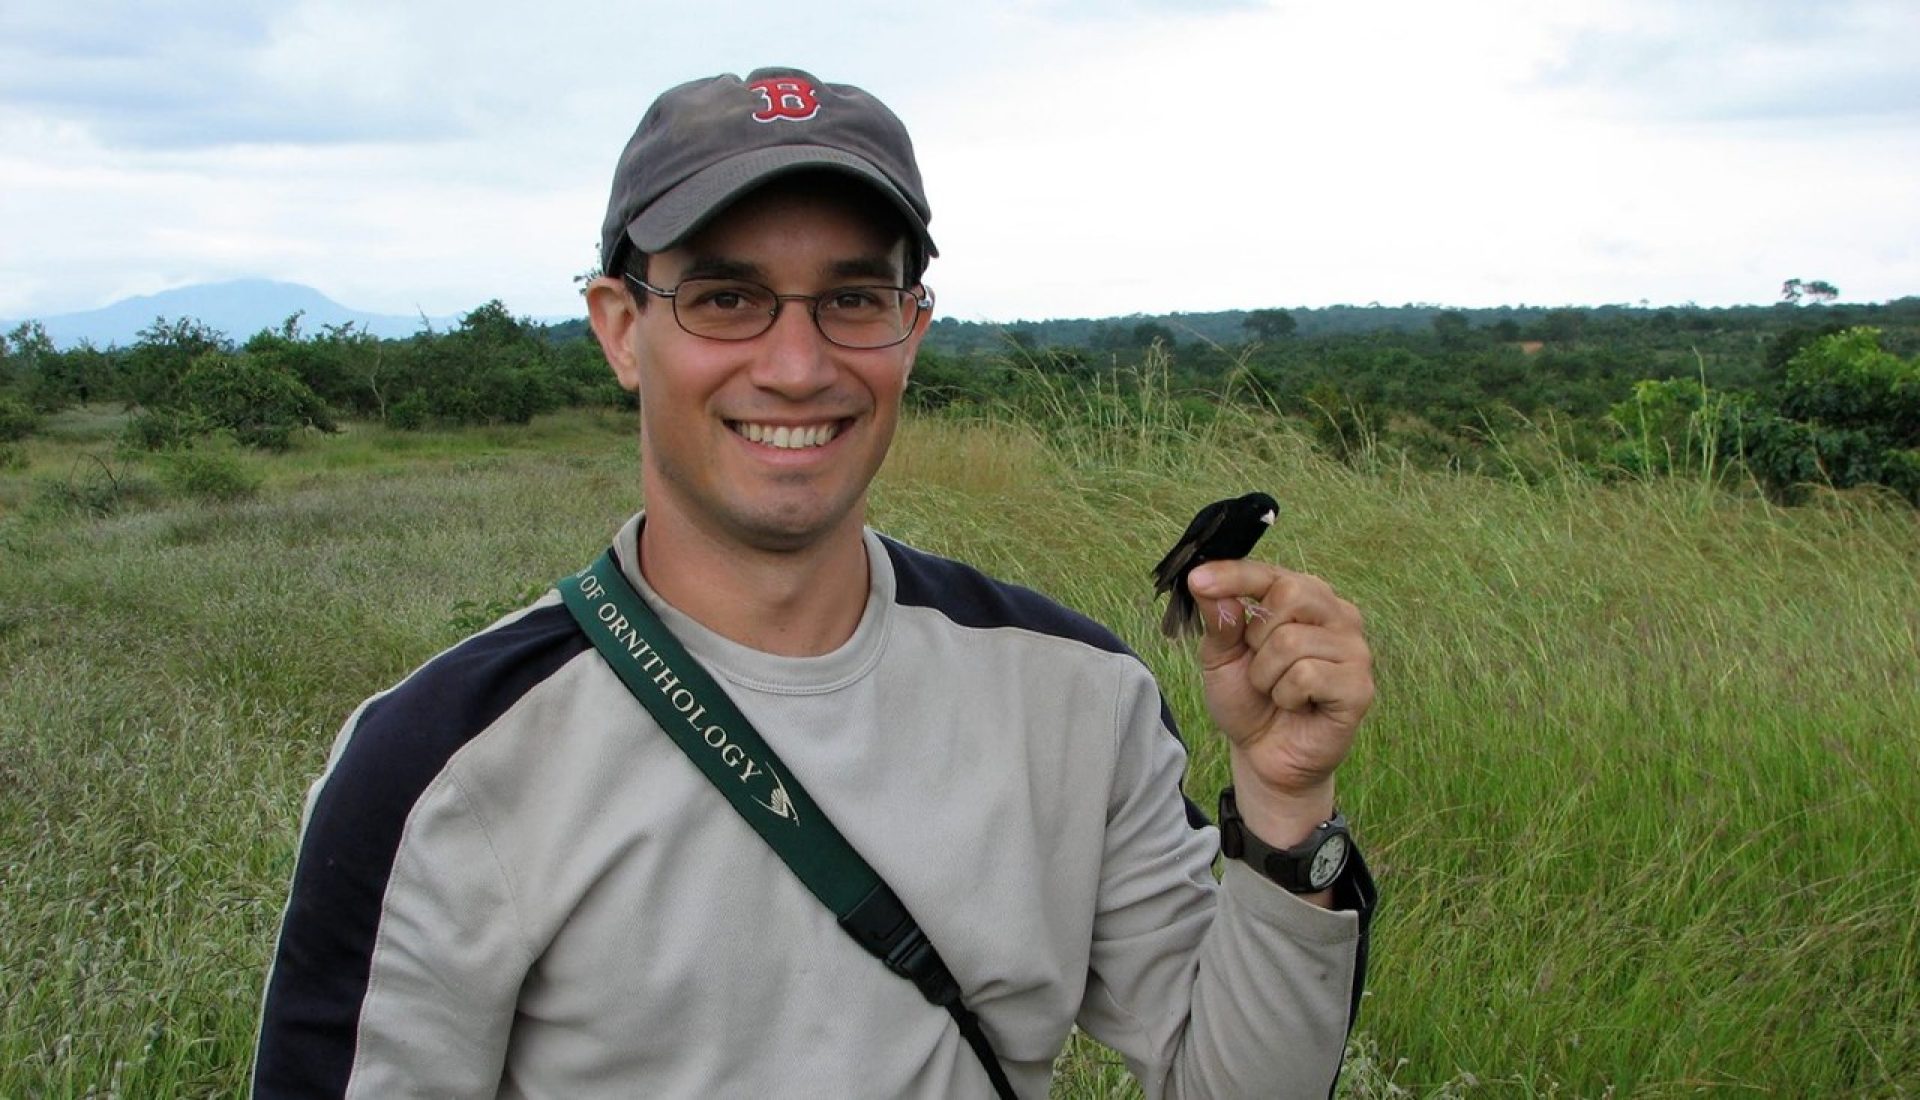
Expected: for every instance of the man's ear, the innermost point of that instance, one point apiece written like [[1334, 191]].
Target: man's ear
[[614, 316], [920, 326]]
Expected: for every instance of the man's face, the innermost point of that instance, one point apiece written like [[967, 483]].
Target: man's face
[[712, 412]]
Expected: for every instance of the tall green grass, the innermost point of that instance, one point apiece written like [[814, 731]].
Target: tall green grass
[[1640, 787]]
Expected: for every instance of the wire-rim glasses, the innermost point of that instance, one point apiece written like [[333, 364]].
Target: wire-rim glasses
[[858, 317]]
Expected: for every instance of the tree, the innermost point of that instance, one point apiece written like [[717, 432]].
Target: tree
[[1269, 324], [1790, 342], [17, 421], [261, 403], [1148, 333], [341, 363], [24, 356], [491, 369], [1817, 290], [158, 360], [1563, 326], [1849, 415], [1452, 328]]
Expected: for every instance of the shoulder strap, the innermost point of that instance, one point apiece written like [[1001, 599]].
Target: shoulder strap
[[701, 719]]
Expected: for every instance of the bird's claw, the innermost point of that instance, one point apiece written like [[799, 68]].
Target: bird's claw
[[1230, 614]]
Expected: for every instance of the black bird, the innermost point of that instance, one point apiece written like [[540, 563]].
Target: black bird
[[1224, 530]]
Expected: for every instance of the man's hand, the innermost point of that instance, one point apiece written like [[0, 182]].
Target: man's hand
[[1288, 677]]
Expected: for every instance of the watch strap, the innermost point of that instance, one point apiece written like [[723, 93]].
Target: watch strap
[[1289, 868]]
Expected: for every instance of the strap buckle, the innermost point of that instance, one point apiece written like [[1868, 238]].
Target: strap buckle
[[882, 925]]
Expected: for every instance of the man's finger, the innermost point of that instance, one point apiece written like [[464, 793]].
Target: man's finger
[[1219, 580], [1224, 622], [1338, 688], [1290, 643], [1288, 596]]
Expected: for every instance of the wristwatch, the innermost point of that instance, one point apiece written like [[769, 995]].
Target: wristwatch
[[1306, 868]]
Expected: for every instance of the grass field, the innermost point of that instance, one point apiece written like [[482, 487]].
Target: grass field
[[1641, 788]]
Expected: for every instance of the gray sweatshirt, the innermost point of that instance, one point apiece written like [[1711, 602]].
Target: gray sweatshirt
[[511, 883]]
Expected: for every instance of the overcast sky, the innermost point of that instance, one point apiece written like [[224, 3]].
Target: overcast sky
[[1083, 157]]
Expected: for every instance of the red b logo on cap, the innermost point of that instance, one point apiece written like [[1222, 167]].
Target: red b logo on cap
[[787, 97]]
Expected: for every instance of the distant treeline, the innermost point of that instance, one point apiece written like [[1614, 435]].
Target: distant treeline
[[1511, 323], [1804, 392], [1785, 396], [183, 380]]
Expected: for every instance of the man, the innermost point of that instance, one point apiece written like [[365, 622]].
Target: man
[[512, 882]]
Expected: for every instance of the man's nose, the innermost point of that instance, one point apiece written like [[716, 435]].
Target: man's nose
[[797, 359]]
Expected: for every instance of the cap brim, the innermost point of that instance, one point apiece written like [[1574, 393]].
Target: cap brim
[[693, 202]]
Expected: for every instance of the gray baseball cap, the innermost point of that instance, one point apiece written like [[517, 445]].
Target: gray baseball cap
[[706, 143]]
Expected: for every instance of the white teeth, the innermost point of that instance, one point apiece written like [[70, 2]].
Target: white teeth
[[787, 437]]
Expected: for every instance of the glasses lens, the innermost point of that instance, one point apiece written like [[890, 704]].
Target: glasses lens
[[867, 316], [850, 316], [724, 309]]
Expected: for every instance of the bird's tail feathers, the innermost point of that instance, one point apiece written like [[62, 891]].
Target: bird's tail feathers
[[1182, 617]]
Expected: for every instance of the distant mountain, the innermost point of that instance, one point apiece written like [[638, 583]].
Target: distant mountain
[[237, 309]]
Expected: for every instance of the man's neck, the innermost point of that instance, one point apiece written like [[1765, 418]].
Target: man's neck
[[800, 603]]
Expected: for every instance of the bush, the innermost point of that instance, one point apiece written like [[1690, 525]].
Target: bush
[[1846, 380], [17, 421], [409, 414], [1674, 426], [209, 473], [164, 429], [1849, 415], [262, 405], [152, 369]]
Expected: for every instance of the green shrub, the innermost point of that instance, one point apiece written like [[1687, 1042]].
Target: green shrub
[[409, 414], [17, 420], [1674, 426], [261, 404], [163, 429], [1849, 415], [209, 473], [12, 456]]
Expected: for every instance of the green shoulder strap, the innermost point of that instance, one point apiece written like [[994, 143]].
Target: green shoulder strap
[[698, 716]]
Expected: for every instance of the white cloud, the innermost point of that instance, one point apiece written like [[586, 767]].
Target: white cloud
[[1082, 159], [1772, 60]]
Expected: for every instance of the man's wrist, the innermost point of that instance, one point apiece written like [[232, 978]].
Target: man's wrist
[[1308, 870], [1281, 817]]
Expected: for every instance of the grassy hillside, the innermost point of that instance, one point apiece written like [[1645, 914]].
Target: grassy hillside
[[1640, 787]]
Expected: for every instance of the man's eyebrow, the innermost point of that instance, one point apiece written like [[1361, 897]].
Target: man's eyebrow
[[718, 267], [882, 268]]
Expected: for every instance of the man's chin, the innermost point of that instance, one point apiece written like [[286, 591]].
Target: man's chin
[[793, 531]]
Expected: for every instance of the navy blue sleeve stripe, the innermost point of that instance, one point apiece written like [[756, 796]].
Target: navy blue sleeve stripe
[[402, 742], [971, 598]]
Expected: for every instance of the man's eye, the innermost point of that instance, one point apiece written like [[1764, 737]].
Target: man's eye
[[725, 299], [853, 299]]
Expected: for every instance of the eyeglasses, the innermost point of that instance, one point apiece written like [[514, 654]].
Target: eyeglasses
[[860, 317]]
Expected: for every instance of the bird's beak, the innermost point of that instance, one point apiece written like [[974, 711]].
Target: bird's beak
[[1268, 518]]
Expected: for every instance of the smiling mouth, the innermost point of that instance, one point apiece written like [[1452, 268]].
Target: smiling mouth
[[786, 437]]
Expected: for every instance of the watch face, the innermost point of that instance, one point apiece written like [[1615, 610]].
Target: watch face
[[1328, 861]]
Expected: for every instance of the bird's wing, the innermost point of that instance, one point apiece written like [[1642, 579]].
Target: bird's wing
[[1185, 553]]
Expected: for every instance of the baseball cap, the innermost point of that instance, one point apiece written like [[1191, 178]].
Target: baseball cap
[[706, 143]]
